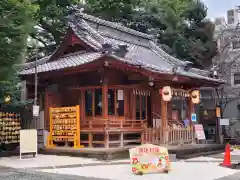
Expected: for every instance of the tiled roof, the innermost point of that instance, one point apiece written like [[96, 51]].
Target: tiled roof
[[71, 60], [145, 53], [115, 26]]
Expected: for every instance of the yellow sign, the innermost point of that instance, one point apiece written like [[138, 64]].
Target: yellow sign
[[149, 158]]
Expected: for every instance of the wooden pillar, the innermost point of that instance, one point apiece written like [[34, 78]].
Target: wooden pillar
[[82, 104], [164, 123], [169, 110], [133, 106], [93, 103], [190, 110], [105, 98], [164, 113], [46, 111], [126, 103]]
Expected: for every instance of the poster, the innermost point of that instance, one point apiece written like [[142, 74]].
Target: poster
[[120, 95], [35, 110], [194, 117], [149, 158], [199, 132]]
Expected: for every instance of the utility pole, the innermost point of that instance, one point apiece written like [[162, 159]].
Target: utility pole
[[35, 117]]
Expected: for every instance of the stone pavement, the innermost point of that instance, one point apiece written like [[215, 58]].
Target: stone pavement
[[13, 174], [66, 168], [235, 156]]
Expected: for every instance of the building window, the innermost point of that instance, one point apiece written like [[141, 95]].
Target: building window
[[88, 102], [141, 107], [230, 20], [236, 79], [236, 44], [116, 102], [111, 102], [93, 102], [230, 12]]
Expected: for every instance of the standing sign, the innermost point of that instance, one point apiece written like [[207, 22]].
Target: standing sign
[[149, 158], [199, 132], [28, 142], [224, 122]]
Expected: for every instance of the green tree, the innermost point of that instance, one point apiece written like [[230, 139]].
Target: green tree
[[180, 25], [15, 26], [51, 21]]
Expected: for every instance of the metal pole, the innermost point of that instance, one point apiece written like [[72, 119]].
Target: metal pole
[[36, 90]]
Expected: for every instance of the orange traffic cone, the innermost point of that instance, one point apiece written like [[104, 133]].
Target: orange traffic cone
[[227, 157]]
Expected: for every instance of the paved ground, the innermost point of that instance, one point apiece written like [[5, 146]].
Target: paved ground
[[49, 167], [235, 156], [13, 174], [235, 176]]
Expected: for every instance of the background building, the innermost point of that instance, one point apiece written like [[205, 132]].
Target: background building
[[233, 16]]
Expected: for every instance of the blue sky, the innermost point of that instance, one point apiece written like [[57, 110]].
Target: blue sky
[[218, 8]]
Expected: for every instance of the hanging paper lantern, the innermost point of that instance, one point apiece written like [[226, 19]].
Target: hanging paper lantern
[[195, 95], [167, 93]]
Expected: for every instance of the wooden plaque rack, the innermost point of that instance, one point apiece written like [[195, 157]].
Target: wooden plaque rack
[[65, 125]]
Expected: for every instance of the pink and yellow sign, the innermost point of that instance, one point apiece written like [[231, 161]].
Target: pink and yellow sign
[[149, 158]]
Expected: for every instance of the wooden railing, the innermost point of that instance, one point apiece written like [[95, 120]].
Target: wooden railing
[[168, 135], [112, 132], [111, 124]]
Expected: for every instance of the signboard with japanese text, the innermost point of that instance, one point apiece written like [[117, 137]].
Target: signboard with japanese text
[[224, 122], [149, 158], [199, 131]]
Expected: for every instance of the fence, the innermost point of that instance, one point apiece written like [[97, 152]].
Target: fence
[[232, 132], [168, 135]]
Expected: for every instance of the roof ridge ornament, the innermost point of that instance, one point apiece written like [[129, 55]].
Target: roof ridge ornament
[[107, 48]]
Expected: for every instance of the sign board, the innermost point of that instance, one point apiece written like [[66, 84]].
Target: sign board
[[224, 122], [199, 132], [35, 110], [120, 95], [194, 117], [28, 141], [149, 158]]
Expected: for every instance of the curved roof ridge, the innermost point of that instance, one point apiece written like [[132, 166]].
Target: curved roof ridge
[[96, 38], [84, 36], [114, 26], [40, 61], [123, 40]]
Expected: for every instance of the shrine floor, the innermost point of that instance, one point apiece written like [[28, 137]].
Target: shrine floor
[[182, 151]]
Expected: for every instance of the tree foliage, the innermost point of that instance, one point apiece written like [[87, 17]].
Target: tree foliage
[[15, 25], [51, 25], [12, 88], [180, 25]]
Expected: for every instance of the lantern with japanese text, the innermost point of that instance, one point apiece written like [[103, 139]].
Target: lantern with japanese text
[[195, 95], [167, 93]]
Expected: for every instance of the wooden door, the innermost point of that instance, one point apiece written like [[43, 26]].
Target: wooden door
[[52, 99]]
